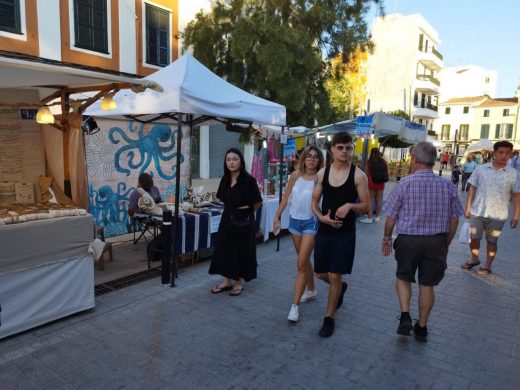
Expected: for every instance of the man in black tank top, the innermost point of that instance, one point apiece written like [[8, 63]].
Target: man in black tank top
[[340, 184]]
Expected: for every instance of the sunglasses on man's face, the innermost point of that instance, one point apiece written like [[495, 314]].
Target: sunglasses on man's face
[[341, 148]]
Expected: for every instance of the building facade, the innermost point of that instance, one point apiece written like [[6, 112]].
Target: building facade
[[467, 80], [467, 120], [402, 71]]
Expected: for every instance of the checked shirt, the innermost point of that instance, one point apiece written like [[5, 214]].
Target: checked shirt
[[423, 204]]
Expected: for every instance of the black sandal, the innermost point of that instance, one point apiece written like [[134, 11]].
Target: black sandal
[[467, 265], [218, 289]]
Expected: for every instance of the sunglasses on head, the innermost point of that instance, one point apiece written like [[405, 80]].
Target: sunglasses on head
[[342, 148]]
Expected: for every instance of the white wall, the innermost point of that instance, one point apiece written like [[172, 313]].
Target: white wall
[[127, 36], [466, 81], [49, 29]]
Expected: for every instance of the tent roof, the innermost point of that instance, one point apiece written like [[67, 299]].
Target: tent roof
[[30, 72], [191, 88]]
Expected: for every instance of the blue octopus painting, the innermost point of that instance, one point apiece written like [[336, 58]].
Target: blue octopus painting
[[109, 208], [155, 147]]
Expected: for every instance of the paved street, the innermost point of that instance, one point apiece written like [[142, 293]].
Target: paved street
[[149, 336]]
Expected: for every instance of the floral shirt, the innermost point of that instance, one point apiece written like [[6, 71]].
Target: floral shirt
[[494, 188]]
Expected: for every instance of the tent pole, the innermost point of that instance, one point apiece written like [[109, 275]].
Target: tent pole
[[173, 260], [280, 195]]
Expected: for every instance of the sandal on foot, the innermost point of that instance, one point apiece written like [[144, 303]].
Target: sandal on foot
[[483, 271], [236, 291], [467, 265], [218, 289]]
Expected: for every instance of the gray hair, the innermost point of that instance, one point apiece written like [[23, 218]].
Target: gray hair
[[425, 153]]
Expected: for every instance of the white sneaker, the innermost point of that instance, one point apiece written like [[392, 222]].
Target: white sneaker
[[365, 220], [376, 219], [293, 314], [309, 295]]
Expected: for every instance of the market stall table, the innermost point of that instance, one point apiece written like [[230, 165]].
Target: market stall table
[[195, 228], [269, 208]]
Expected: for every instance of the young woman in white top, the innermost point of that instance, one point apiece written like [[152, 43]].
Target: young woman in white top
[[303, 224]]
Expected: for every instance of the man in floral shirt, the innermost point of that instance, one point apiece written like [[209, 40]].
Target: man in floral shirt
[[493, 185]]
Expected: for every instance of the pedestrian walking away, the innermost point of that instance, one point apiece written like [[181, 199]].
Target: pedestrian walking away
[[235, 246], [492, 186], [341, 184], [514, 161], [455, 176], [467, 169], [377, 173], [425, 210], [303, 225]]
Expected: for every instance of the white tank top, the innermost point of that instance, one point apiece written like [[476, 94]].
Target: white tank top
[[301, 197]]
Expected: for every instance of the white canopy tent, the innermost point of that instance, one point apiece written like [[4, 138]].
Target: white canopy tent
[[191, 88], [192, 94]]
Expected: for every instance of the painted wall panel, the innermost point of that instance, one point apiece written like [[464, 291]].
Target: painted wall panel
[[48, 30], [127, 36]]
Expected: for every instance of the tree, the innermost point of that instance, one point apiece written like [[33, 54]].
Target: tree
[[279, 49], [347, 84]]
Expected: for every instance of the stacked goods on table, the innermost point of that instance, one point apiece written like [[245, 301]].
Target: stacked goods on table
[[17, 212]]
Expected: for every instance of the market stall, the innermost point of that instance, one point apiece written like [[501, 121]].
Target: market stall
[[192, 95], [45, 269]]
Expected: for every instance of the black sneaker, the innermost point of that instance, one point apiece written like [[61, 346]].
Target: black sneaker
[[405, 325], [344, 286], [420, 332], [328, 327]]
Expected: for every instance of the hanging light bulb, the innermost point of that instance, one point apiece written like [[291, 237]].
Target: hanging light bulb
[[108, 103], [44, 116]]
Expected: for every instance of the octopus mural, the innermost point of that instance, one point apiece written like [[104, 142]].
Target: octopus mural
[[109, 208], [155, 147]]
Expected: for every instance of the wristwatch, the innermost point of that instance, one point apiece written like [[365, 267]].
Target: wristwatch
[[387, 238]]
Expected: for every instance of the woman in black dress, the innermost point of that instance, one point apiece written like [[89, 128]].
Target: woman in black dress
[[235, 247]]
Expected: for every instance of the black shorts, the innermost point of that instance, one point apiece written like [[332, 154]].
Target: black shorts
[[334, 252], [424, 253]]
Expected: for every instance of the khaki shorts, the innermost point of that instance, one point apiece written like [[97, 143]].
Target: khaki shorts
[[492, 227]]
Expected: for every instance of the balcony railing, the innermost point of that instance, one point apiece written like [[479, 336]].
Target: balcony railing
[[427, 105], [430, 78]]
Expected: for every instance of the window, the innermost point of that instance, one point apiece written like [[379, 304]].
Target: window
[[447, 110], [486, 113], [464, 132], [484, 131], [10, 16], [445, 132], [90, 25], [504, 131], [465, 110], [157, 36], [505, 112]]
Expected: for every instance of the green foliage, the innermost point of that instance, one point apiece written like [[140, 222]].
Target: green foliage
[[279, 49]]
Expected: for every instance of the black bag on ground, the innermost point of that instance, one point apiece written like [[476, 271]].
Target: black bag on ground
[[379, 172], [154, 249]]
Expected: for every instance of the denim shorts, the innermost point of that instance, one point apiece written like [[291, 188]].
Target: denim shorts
[[299, 227]]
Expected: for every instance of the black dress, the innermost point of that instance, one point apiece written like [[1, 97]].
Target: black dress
[[235, 254]]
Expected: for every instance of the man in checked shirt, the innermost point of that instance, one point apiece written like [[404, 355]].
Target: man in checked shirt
[[425, 210]]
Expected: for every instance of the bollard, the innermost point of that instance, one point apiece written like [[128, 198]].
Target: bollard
[[166, 247]]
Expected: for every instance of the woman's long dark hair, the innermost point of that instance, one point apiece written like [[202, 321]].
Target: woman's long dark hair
[[227, 172]]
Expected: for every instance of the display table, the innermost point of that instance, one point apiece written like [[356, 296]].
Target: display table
[[269, 208], [45, 271], [195, 230]]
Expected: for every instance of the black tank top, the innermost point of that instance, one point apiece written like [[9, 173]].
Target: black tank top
[[335, 197]]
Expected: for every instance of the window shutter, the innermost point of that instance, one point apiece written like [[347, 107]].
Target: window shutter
[[10, 16], [91, 24], [497, 131], [157, 37], [509, 131]]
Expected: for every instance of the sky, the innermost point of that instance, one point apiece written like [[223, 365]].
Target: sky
[[472, 32]]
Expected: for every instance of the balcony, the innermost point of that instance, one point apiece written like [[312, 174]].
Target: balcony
[[430, 58], [425, 110], [427, 84]]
